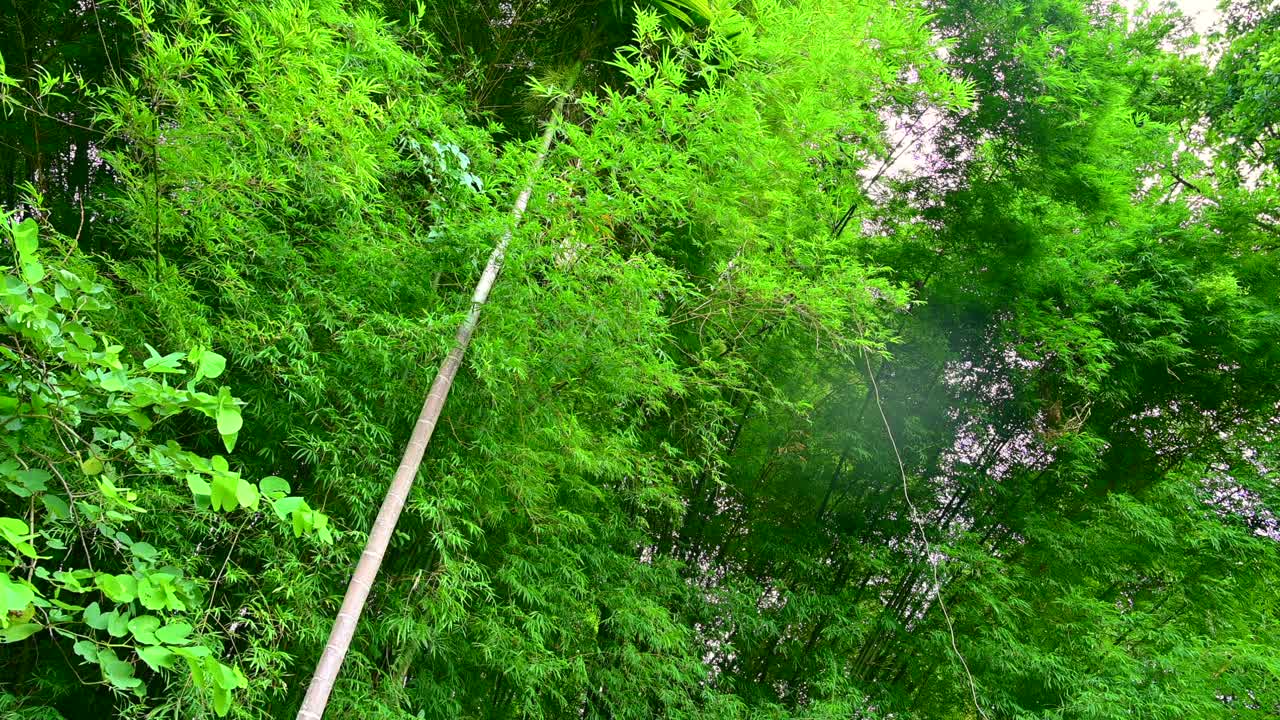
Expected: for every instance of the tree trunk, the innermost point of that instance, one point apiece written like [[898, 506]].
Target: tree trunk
[[353, 602]]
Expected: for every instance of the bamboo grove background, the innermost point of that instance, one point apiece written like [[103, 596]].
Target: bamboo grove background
[[824, 316]]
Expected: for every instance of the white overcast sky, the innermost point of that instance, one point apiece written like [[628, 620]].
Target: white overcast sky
[[1202, 12]]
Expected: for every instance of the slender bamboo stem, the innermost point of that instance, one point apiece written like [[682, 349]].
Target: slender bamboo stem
[[344, 626]]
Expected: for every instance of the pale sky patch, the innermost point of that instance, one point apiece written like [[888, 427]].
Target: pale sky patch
[[1204, 13]]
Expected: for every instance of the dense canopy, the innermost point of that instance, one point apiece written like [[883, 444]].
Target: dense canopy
[[857, 359]]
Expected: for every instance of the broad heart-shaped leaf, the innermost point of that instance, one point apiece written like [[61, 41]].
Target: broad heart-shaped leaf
[[227, 676], [13, 528], [198, 485], [18, 490], [145, 551], [174, 633], [13, 286], [94, 618], [273, 487], [117, 623], [17, 633], [208, 363], [301, 522], [56, 506], [196, 657], [16, 532], [71, 580], [247, 494], [87, 650], [32, 271], [166, 364], [212, 364], [14, 595], [119, 673], [157, 657], [144, 629], [118, 588], [320, 522], [34, 479], [150, 595], [285, 507], [26, 237], [114, 380], [221, 700], [222, 491], [155, 591], [228, 417]]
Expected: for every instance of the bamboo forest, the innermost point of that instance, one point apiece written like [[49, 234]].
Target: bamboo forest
[[632, 359]]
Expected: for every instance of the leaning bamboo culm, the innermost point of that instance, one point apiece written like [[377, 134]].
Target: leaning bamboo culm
[[344, 625]]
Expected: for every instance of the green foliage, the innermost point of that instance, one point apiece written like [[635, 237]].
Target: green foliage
[[787, 265], [81, 421]]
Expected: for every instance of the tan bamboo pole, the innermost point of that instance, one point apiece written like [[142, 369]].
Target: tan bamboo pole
[[344, 625]]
